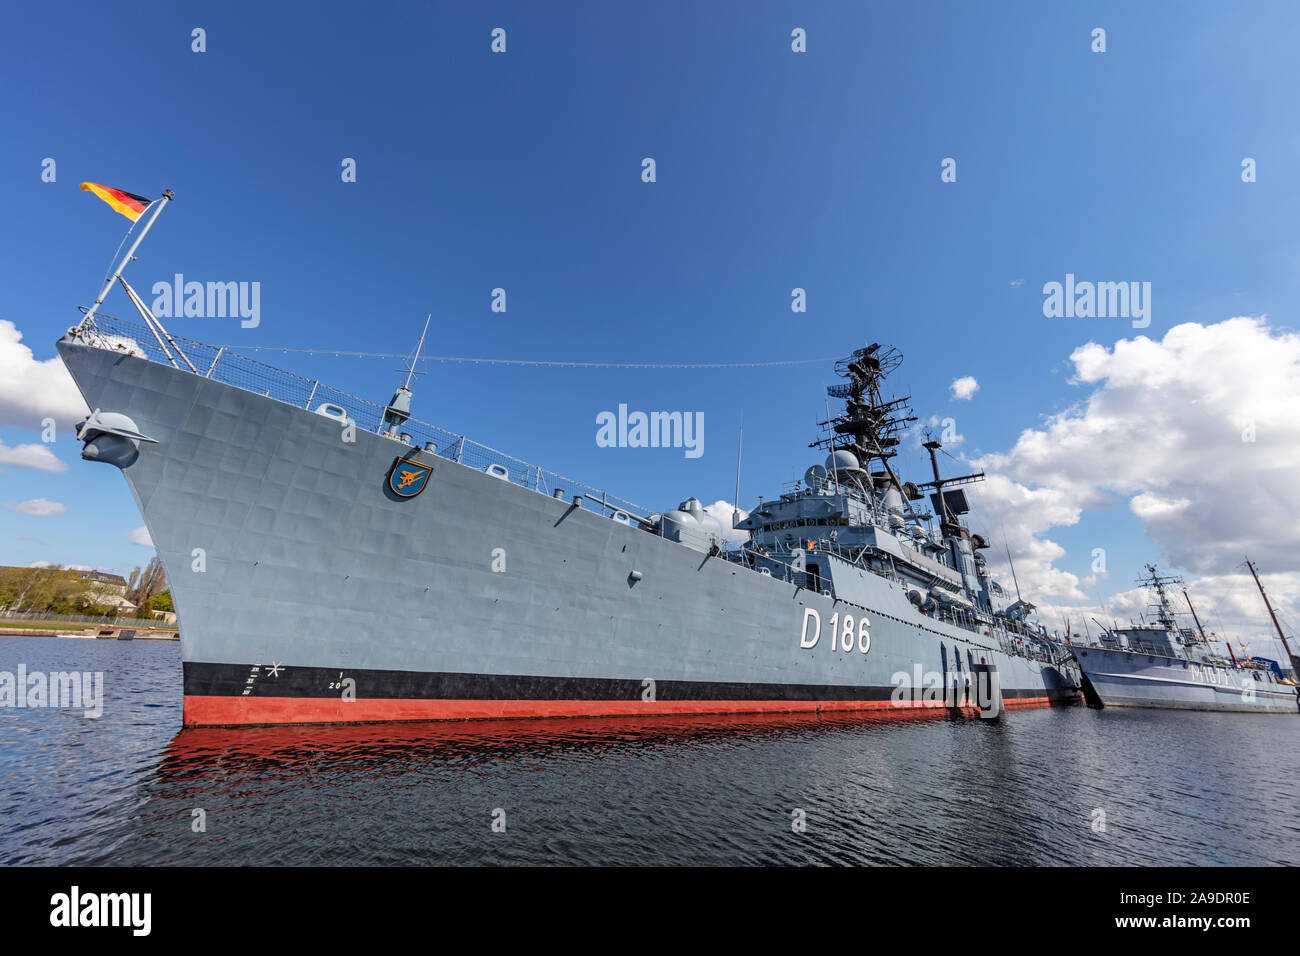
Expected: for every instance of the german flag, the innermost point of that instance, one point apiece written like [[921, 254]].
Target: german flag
[[128, 204]]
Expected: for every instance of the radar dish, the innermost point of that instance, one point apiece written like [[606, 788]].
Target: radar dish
[[871, 363], [815, 476]]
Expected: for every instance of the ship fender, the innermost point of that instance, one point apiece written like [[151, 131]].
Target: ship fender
[[987, 688]]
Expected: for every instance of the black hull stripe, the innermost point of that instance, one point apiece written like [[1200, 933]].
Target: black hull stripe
[[247, 680]]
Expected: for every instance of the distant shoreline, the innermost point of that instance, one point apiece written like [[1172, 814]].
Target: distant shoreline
[[92, 632]]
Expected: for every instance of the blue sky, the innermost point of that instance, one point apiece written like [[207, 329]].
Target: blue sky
[[775, 170]]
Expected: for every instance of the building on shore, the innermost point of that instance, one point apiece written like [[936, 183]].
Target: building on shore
[[107, 590]]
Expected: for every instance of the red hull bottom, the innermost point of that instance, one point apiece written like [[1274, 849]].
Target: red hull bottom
[[208, 711]]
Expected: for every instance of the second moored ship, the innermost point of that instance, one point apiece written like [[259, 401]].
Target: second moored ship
[[1162, 665]]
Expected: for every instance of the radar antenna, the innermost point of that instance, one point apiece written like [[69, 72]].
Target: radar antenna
[[1163, 608], [871, 426], [398, 409], [409, 366]]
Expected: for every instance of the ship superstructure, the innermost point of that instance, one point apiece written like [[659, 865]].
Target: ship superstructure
[[854, 512]]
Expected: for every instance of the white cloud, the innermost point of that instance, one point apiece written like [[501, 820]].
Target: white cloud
[[722, 510], [964, 387], [1013, 517], [1197, 432], [141, 537], [1016, 282], [1151, 507], [38, 457], [32, 390], [38, 507], [1090, 581]]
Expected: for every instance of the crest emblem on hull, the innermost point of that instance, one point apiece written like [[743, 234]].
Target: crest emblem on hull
[[408, 478]]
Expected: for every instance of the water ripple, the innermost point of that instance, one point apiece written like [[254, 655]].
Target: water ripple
[[1026, 790]]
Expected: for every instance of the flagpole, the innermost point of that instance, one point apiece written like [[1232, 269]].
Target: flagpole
[[99, 300]]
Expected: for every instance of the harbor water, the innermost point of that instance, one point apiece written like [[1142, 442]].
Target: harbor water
[[1039, 787]]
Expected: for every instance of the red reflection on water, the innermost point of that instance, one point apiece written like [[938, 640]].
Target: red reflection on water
[[208, 748]]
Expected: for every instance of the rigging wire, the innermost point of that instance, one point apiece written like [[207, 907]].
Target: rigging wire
[[113, 261], [535, 362]]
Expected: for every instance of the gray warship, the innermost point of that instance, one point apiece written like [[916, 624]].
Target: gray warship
[[1161, 664], [334, 560]]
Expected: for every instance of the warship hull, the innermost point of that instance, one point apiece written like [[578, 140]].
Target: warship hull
[[307, 591], [1122, 678]]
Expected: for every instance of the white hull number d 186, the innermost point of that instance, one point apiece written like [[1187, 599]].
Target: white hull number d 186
[[842, 633]]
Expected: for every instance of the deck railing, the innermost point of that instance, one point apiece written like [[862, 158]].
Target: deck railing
[[222, 364]]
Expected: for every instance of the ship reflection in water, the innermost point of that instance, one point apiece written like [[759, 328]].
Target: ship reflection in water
[[1171, 787], [629, 791], [401, 748]]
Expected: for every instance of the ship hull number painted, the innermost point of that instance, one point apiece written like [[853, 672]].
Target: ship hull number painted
[[845, 634]]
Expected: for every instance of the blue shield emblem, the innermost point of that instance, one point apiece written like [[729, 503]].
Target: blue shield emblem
[[408, 478]]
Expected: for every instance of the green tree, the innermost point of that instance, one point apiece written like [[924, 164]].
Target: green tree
[[35, 589], [144, 584]]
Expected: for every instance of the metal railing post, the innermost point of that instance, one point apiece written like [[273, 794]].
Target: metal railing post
[[215, 359]]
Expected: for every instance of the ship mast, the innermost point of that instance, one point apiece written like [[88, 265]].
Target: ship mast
[[740, 445], [1014, 579], [1273, 615], [1157, 583], [948, 524], [870, 426], [410, 369], [1205, 640]]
